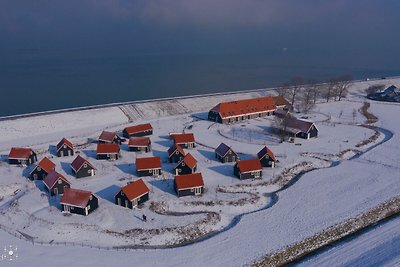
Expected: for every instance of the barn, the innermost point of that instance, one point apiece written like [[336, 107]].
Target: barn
[[138, 130], [78, 201], [65, 148], [248, 169], [108, 151], [132, 194], [187, 165], [301, 128], [240, 110], [82, 167], [44, 167], [189, 185], [225, 153], [149, 166], [22, 156], [139, 144], [185, 140], [175, 153], [56, 183], [109, 138], [266, 157]]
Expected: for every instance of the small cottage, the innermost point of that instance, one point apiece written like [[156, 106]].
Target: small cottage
[[109, 138], [139, 144], [108, 151], [189, 185], [225, 153], [138, 130], [78, 201], [44, 167], [65, 148], [248, 169], [187, 165], [22, 156], [56, 183], [175, 153], [301, 128], [150, 166], [185, 140], [266, 157], [82, 167], [133, 194]]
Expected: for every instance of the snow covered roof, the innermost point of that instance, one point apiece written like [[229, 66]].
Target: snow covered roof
[[78, 162], [20, 153], [46, 165], [246, 106], [222, 149], [183, 138], [139, 128], [107, 149], [148, 163], [249, 165], [139, 141], [107, 137], [135, 189], [266, 151], [52, 178], [189, 181], [173, 148], [63, 142], [75, 197], [189, 160]]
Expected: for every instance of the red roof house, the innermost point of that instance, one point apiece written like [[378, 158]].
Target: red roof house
[[133, 194], [78, 201], [185, 140], [138, 130], [189, 184], [56, 183], [65, 148], [266, 157], [149, 166], [141, 144], [109, 137], [248, 169], [22, 156], [108, 151], [82, 167], [44, 167], [187, 165]]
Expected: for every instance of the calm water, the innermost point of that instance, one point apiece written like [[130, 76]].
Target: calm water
[[70, 54]]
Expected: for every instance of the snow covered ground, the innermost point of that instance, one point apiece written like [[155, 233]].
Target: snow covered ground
[[317, 200]]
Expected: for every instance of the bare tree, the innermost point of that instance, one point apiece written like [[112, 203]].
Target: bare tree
[[284, 90], [375, 89], [296, 85], [314, 88], [307, 99], [280, 126], [329, 89], [342, 86]]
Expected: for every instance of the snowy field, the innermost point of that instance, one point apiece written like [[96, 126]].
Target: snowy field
[[236, 213]]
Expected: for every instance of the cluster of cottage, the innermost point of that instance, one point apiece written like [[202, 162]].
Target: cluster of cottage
[[186, 180]]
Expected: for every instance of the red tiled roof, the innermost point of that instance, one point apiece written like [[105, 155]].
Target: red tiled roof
[[78, 162], [46, 164], [135, 189], [280, 101], [183, 138], [246, 106], [75, 197], [107, 149], [52, 178], [189, 160], [139, 128], [148, 163], [249, 165], [107, 136], [266, 151], [63, 142], [175, 147], [189, 181], [20, 153], [139, 141]]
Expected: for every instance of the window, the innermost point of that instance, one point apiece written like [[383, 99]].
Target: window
[[39, 169], [91, 197], [65, 146], [183, 164], [191, 189], [122, 193], [177, 152], [89, 171], [72, 208], [88, 207], [59, 181], [84, 165]]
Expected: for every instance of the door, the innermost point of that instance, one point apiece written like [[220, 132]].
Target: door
[[62, 153], [69, 152], [43, 176], [134, 202], [126, 204], [67, 208], [55, 190], [197, 191], [34, 176], [91, 172], [112, 157], [155, 172], [119, 201]]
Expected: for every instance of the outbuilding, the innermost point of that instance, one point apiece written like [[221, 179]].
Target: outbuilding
[[149, 166], [187, 165], [266, 157], [301, 128], [22, 156], [139, 144], [82, 167], [109, 138], [132, 194], [138, 130], [42, 169], [248, 169], [65, 148], [108, 151], [225, 153], [78, 201], [189, 185], [185, 140], [175, 153], [56, 183]]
